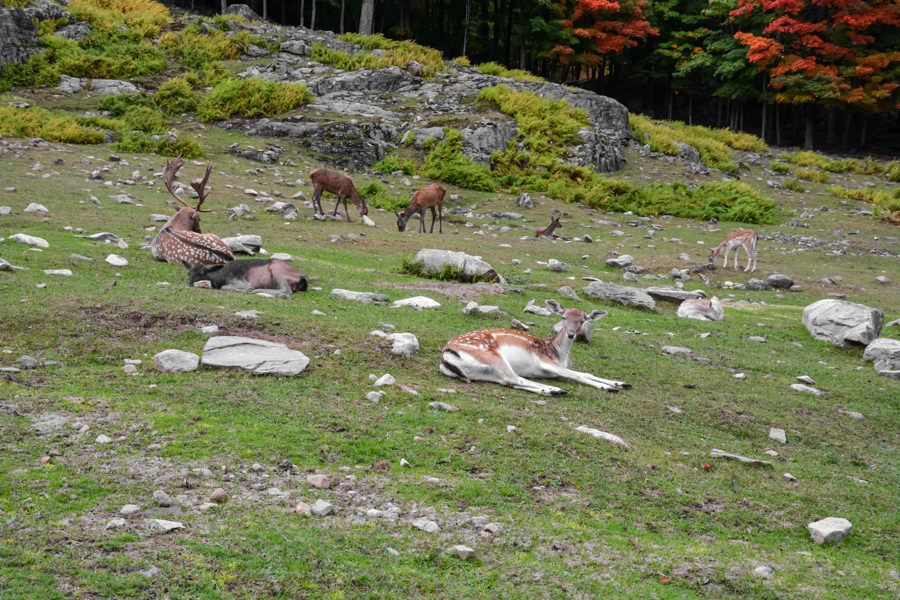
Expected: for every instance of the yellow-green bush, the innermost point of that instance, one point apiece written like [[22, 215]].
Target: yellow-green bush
[[714, 145], [251, 98], [813, 175], [780, 167], [867, 166], [492, 68], [793, 185], [399, 52], [390, 164], [198, 50], [39, 122], [447, 162], [50, 25], [144, 16], [885, 199], [142, 142], [463, 61], [176, 96]]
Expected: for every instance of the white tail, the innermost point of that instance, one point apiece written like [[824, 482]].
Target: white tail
[[325, 180], [739, 238], [507, 357], [428, 197]]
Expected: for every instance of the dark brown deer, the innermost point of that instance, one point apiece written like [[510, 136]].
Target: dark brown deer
[[180, 238], [249, 275], [547, 231], [341, 185], [428, 197]]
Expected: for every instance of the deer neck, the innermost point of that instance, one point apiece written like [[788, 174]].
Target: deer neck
[[180, 221], [563, 346]]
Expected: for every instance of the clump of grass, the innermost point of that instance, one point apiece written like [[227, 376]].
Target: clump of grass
[[164, 145], [176, 96], [391, 164], [343, 60], [780, 167], [446, 162], [885, 199], [399, 52], [793, 185], [409, 267], [146, 119], [198, 50], [813, 175], [714, 145], [137, 111], [463, 61], [378, 195], [866, 166], [121, 104], [251, 98], [145, 17], [39, 122], [48, 26], [493, 68]]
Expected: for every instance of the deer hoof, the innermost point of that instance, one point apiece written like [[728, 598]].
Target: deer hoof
[[558, 392]]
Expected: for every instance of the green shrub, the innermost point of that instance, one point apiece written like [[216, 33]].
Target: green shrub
[[377, 195], [398, 52], [780, 167], [176, 96], [251, 98], [343, 60], [887, 199], [145, 17], [813, 175], [463, 61], [50, 25], [198, 50], [390, 164], [121, 104], [146, 119], [39, 122], [794, 186], [182, 146], [492, 68], [893, 170], [446, 162]]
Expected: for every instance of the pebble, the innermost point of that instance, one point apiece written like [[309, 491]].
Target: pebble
[[163, 526], [799, 387], [386, 379], [763, 571], [27, 362], [257, 468], [789, 477], [462, 552], [116, 523], [303, 509], [218, 495], [806, 379], [160, 498], [777, 435], [320, 508], [426, 525], [374, 396], [103, 439], [130, 511], [322, 482], [443, 406], [757, 338], [830, 529], [210, 329]]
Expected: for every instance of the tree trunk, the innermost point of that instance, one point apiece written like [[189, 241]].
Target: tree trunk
[[341, 27], [312, 17], [777, 124], [690, 109], [466, 27], [810, 123], [265, 10], [366, 17], [224, 6], [302, 13], [862, 135], [845, 137], [671, 103]]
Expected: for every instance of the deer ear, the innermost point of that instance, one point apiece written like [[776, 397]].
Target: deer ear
[[555, 306], [595, 314], [396, 213]]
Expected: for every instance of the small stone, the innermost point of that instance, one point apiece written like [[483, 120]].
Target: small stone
[[386, 379], [676, 350], [374, 396], [443, 406], [130, 369], [426, 525], [303, 509], [320, 508], [462, 552], [160, 498], [117, 261], [763, 571], [116, 523], [757, 338], [404, 463], [799, 387], [830, 529], [789, 477], [740, 376], [27, 362], [103, 439], [163, 526], [151, 572], [322, 482], [257, 468], [130, 511], [806, 379], [777, 435], [218, 496], [510, 428], [493, 528], [209, 329], [853, 414]]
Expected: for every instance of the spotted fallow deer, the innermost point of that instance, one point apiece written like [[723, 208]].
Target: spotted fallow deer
[[547, 231], [508, 357], [739, 238], [430, 196], [180, 238], [325, 180]]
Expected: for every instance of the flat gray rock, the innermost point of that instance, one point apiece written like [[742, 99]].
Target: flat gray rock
[[843, 323], [260, 357], [163, 526], [777, 435], [716, 453], [364, 297], [31, 240], [885, 353], [702, 310], [602, 435], [176, 361], [672, 294], [622, 294], [676, 350], [404, 344], [830, 529], [779, 281]]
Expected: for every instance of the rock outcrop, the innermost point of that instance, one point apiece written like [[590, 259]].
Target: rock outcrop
[[843, 323]]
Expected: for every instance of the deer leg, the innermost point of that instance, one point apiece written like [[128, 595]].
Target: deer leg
[[238, 285], [433, 217], [317, 205], [336, 205], [440, 220], [591, 380], [422, 221]]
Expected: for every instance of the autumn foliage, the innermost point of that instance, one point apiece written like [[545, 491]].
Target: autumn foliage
[[606, 26]]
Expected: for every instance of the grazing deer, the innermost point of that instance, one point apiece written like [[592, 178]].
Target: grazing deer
[[325, 180], [507, 357], [547, 231], [249, 275], [428, 197], [738, 238], [180, 238]]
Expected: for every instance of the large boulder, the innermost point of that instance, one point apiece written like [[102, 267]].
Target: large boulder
[[44, 10], [104, 87], [673, 294], [18, 36], [260, 357], [468, 267], [843, 323], [885, 353], [481, 139], [622, 294], [242, 10]]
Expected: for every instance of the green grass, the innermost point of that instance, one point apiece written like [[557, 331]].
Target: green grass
[[250, 98], [39, 122], [493, 68]]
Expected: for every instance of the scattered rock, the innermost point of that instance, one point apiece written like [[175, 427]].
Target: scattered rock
[[830, 529], [218, 496], [426, 525], [260, 357], [763, 571], [27, 362], [777, 435], [130, 511], [322, 482], [443, 406], [34, 207], [469, 267], [462, 552], [320, 508], [843, 323], [716, 453], [602, 435], [116, 523], [374, 396], [163, 526], [628, 296], [702, 310], [386, 379], [364, 297], [30, 240], [404, 344], [117, 261], [417, 302], [779, 281], [674, 294], [556, 265], [885, 353], [623, 260], [160, 498], [788, 477], [303, 509], [676, 350], [103, 439], [176, 361], [757, 339], [799, 387]]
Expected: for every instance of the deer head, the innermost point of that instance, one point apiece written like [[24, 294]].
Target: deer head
[[187, 217]]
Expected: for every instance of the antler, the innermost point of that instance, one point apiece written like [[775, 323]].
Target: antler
[[169, 175], [200, 187]]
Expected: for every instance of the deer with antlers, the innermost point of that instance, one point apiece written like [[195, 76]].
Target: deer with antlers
[[428, 197], [180, 238], [508, 357], [547, 231], [737, 239], [325, 180]]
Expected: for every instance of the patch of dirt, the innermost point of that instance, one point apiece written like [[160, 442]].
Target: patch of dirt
[[461, 291]]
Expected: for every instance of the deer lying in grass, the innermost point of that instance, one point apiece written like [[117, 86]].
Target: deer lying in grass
[[507, 357], [739, 238], [180, 238], [547, 231], [428, 197], [325, 180], [249, 275]]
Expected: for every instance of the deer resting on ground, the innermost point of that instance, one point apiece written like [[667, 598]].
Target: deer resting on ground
[[508, 357], [180, 238], [325, 180], [249, 275], [547, 231], [428, 197]]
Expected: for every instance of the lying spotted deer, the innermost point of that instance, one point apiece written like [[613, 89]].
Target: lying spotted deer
[[739, 238], [325, 180], [249, 275], [430, 196], [507, 357], [547, 231], [180, 238]]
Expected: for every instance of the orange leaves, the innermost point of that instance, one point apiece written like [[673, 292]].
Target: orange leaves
[[608, 24], [760, 49]]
